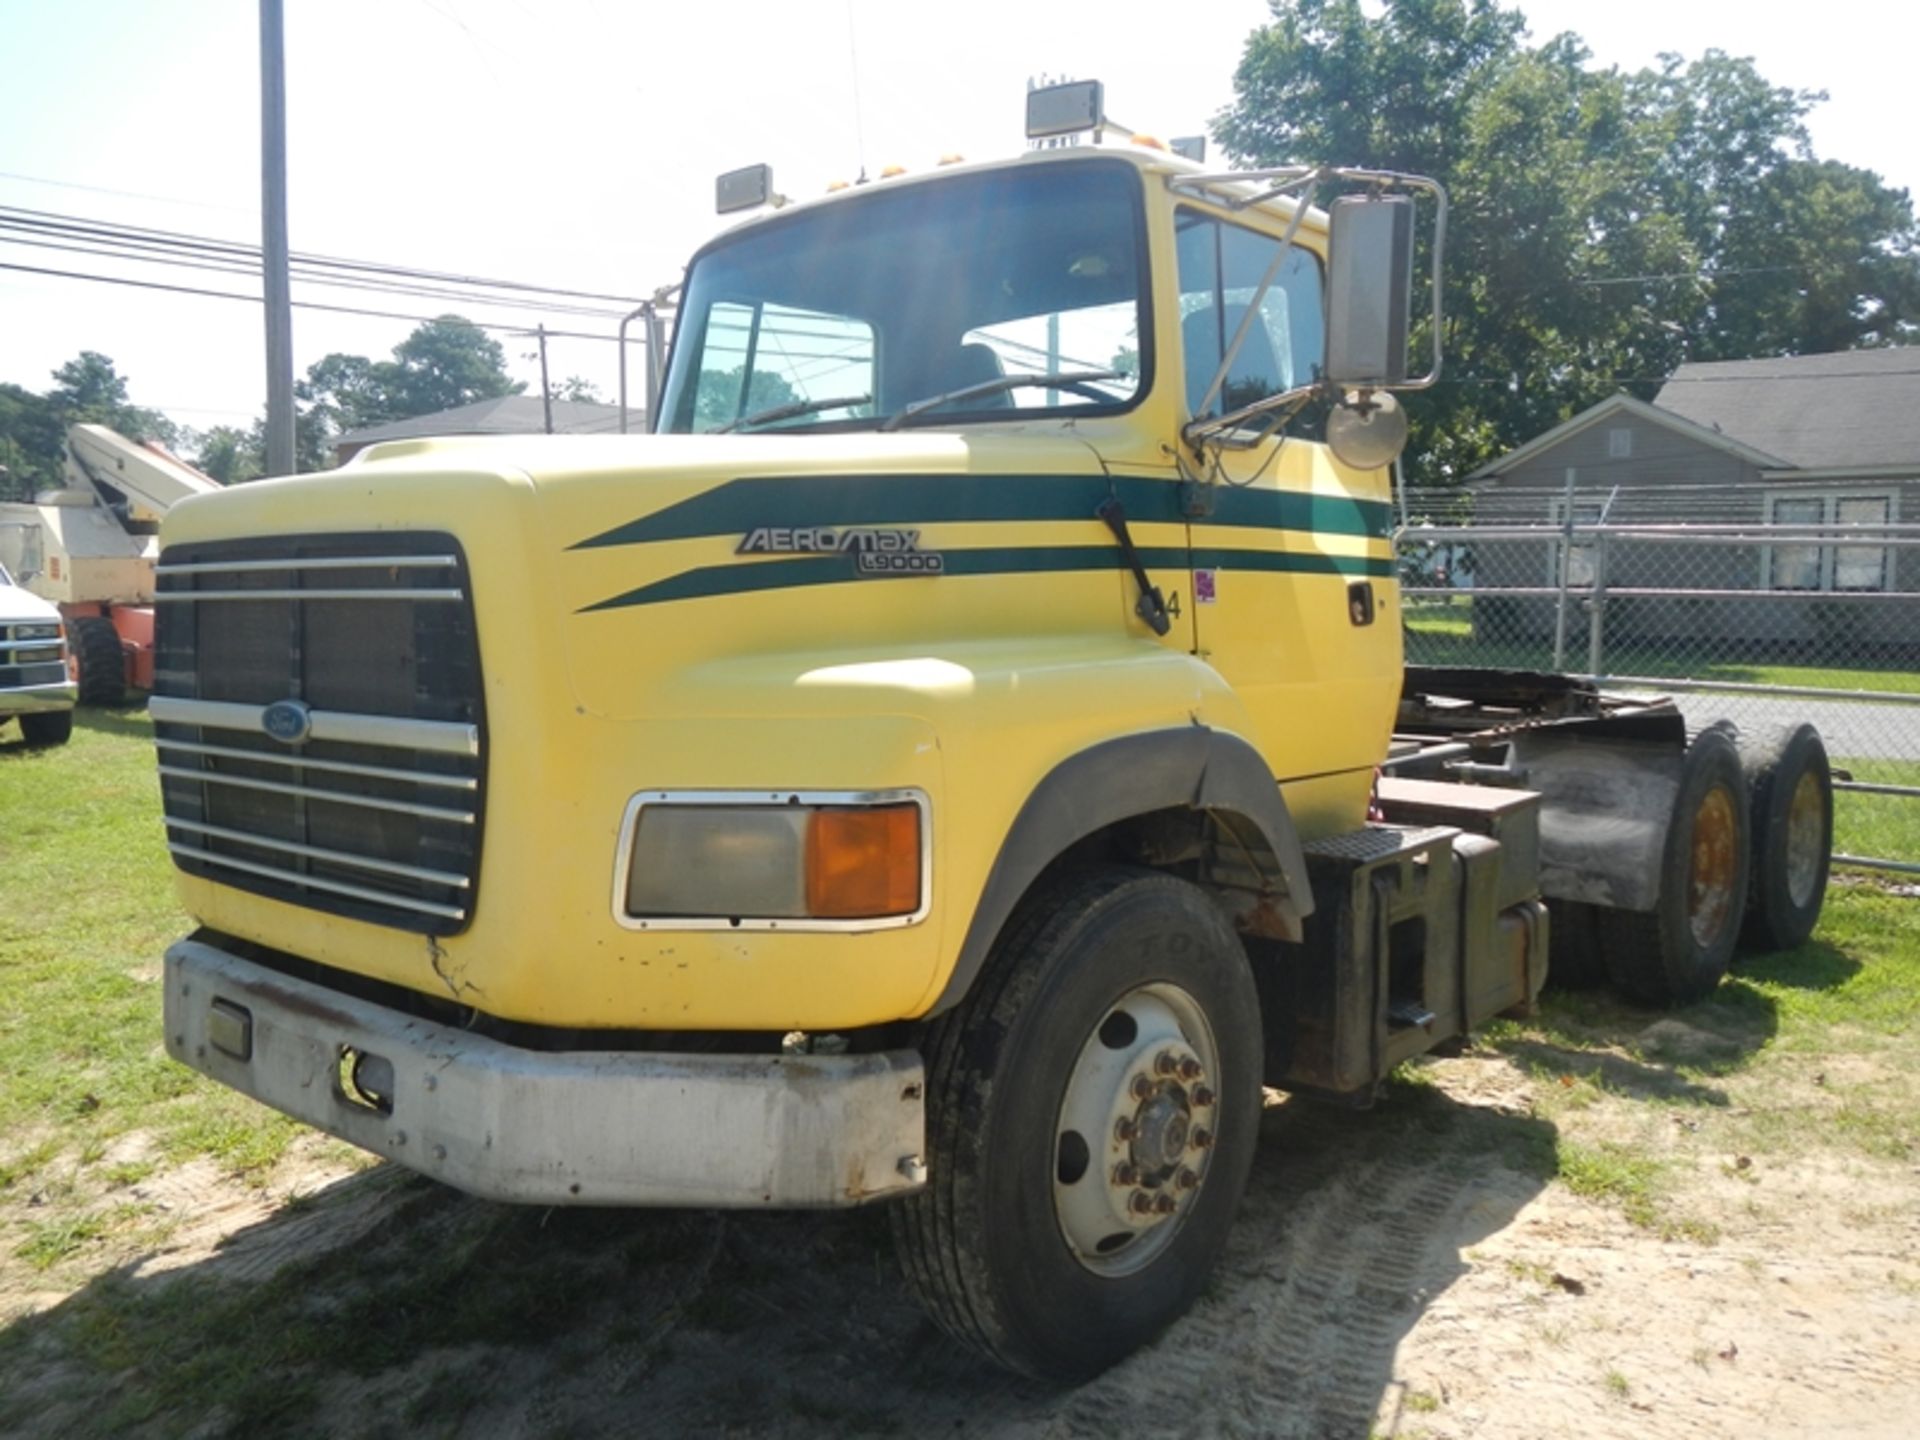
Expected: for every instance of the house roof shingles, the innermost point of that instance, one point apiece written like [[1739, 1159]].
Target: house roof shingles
[[1827, 412]]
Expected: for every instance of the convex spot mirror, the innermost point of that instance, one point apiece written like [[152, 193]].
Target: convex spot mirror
[[1369, 285], [1367, 429]]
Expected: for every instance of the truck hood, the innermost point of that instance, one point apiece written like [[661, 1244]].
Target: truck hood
[[560, 459], [654, 562], [23, 606]]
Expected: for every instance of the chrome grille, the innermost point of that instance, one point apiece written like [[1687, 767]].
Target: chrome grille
[[28, 656], [374, 809]]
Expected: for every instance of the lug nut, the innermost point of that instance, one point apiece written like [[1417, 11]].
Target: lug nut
[[1201, 1138], [1190, 1069], [1142, 1087], [1165, 1205], [1202, 1096], [1126, 1174], [1124, 1129], [1140, 1203], [1187, 1180], [1166, 1063]]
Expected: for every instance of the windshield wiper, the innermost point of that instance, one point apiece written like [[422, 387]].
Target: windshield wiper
[[789, 410], [1080, 380]]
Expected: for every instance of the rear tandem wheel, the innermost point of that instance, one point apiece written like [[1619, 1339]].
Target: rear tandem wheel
[[1679, 951]]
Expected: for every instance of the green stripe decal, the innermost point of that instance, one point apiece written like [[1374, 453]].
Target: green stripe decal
[[813, 501], [749, 576]]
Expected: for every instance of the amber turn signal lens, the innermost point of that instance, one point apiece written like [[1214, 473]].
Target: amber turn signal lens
[[863, 862]]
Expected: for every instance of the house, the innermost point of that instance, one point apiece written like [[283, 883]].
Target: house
[[505, 415], [1805, 442]]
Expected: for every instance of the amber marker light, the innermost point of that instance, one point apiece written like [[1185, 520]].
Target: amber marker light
[[1149, 142], [863, 862], [888, 172]]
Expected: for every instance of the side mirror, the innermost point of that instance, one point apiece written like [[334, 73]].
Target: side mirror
[[1369, 286]]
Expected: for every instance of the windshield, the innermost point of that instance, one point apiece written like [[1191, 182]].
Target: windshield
[[849, 313]]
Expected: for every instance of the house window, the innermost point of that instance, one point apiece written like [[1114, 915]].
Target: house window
[[1810, 565], [1580, 557], [1620, 443]]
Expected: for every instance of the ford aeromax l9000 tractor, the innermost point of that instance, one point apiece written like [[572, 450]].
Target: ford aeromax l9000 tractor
[[959, 758]]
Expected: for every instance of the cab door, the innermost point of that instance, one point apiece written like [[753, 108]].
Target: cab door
[[1292, 575]]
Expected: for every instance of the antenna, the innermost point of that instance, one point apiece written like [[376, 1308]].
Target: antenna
[[859, 126]]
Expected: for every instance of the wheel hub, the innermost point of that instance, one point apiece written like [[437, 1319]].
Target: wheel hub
[[1162, 1128], [1135, 1130], [1716, 863], [1806, 839]]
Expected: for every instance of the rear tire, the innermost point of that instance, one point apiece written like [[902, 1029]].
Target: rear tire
[[47, 727], [1109, 1049], [1790, 790], [102, 663], [1680, 950]]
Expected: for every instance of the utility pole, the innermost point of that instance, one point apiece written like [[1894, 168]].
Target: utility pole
[[273, 238], [546, 390]]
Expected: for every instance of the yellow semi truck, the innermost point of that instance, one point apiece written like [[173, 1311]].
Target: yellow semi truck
[[940, 764]]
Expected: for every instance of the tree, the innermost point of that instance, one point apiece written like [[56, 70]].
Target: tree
[[575, 388], [31, 437], [445, 362], [717, 401], [225, 452], [88, 389], [1605, 226], [347, 392]]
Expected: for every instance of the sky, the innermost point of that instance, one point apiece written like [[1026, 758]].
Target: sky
[[575, 142]]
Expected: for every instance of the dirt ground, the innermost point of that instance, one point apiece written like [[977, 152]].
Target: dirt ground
[[1416, 1271]]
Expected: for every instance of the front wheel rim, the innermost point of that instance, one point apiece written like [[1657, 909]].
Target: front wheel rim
[[1134, 1136]]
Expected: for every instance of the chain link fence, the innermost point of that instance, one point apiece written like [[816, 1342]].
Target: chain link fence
[[1811, 612]]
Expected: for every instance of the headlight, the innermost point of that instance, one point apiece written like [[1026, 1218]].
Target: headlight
[[48, 631], [717, 860]]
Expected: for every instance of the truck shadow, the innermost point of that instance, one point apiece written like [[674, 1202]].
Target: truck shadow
[[385, 1304]]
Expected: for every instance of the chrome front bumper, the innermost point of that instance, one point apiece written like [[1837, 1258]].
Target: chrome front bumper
[[553, 1128], [26, 699]]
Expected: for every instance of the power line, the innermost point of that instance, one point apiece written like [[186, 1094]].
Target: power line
[[301, 304], [135, 255], [183, 240], [125, 194]]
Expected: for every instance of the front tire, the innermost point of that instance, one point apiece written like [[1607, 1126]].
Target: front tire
[[47, 727], [1093, 1105]]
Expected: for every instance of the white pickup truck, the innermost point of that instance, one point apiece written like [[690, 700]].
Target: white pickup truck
[[35, 687]]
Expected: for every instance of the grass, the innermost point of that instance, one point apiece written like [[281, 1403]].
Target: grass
[[1886, 827], [1442, 634], [87, 889], [1812, 1051]]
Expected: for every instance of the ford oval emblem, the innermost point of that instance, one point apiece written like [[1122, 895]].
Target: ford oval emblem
[[288, 721]]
